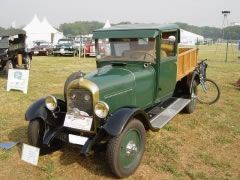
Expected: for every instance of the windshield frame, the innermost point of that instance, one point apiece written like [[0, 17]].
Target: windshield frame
[[142, 53]]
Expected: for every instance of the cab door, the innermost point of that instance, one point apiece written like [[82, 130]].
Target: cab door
[[167, 64]]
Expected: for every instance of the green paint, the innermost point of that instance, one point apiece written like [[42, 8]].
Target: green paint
[[130, 85], [130, 148], [133, 31]]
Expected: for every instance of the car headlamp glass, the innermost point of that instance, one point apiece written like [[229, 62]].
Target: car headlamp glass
[[101, 109], [51, 102]]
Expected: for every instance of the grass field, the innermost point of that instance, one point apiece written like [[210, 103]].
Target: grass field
[[203, 145]]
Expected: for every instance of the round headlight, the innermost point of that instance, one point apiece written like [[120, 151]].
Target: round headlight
[[51, 102], [101, 109]]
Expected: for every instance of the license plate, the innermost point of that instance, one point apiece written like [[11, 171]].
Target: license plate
[[80, 122], [35, 52], [74, 139]]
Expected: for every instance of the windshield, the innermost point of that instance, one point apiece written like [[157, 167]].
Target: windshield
[[130, 49], [60, 42]]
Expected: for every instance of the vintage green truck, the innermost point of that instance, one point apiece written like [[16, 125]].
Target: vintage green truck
[[143, 79]]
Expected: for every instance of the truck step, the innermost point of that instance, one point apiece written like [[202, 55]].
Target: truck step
[[168, 113]]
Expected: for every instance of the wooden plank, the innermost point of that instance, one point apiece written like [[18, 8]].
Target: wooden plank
[[186, 62]]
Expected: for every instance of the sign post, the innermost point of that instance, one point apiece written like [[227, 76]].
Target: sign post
[[18, 80]]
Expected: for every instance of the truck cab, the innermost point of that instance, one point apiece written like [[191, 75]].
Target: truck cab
[[143, 79]]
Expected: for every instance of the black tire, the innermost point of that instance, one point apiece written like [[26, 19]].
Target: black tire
[[212, 93], [35, 137], [35, 133], [28, 62], [122, 148], [70, 78], [193, 96]]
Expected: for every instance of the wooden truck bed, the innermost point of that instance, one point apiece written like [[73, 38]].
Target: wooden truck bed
[[186, 62]]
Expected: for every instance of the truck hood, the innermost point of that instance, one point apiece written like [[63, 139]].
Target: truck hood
[[116, 86], [130, 85], [112, 79]]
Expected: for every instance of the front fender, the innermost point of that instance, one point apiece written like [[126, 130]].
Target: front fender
[[116, 123], [38, 111]]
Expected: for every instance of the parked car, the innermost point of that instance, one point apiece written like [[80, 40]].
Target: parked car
[[13, 51], [142, 81], [65, 47], [89, 48], [42, 48]]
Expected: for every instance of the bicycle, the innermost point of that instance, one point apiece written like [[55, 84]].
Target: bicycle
[[208, 92]]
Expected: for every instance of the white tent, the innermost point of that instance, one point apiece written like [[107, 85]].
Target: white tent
[[189, 38], [37, 30], [107, 24]]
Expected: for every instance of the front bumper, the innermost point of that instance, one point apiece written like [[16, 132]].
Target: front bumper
[[37, 52], [85, 141], [63, 52]]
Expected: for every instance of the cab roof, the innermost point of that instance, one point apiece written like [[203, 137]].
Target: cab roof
[[133, 31]]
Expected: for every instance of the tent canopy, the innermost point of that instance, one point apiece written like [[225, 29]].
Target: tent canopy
[[189, 38], [41, 30]]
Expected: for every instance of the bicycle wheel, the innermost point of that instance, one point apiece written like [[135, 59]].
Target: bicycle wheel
[[208, 94]]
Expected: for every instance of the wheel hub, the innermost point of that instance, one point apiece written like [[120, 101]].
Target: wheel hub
[[131, 148]]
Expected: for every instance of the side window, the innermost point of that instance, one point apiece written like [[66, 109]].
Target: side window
[[168, 44]]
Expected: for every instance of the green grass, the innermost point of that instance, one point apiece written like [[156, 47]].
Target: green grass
[[203, 145]]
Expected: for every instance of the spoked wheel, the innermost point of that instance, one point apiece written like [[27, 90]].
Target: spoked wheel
[[124, 152], [208, 92]]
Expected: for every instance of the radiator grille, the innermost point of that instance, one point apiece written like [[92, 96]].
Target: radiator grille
[[81, 99]]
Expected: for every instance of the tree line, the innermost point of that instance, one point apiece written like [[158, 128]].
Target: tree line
[[230, 32], [87, 27]]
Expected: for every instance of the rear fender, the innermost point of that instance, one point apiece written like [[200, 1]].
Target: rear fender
[[117, 121]]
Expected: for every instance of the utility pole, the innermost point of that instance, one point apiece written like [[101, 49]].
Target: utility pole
[[225, 24]]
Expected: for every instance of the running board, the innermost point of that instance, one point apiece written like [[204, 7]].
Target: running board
[[167, 114]]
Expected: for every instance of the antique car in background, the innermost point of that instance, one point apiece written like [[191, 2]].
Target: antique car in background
[[143, 79], [65, 47], [89, 47], [42, 48], [13, 51]]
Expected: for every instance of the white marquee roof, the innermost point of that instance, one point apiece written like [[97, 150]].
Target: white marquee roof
[[189, 38], [107, 24], [37, 27], [34, 26], [41, 30]]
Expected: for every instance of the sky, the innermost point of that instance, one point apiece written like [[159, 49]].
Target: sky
[[194, 12]]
